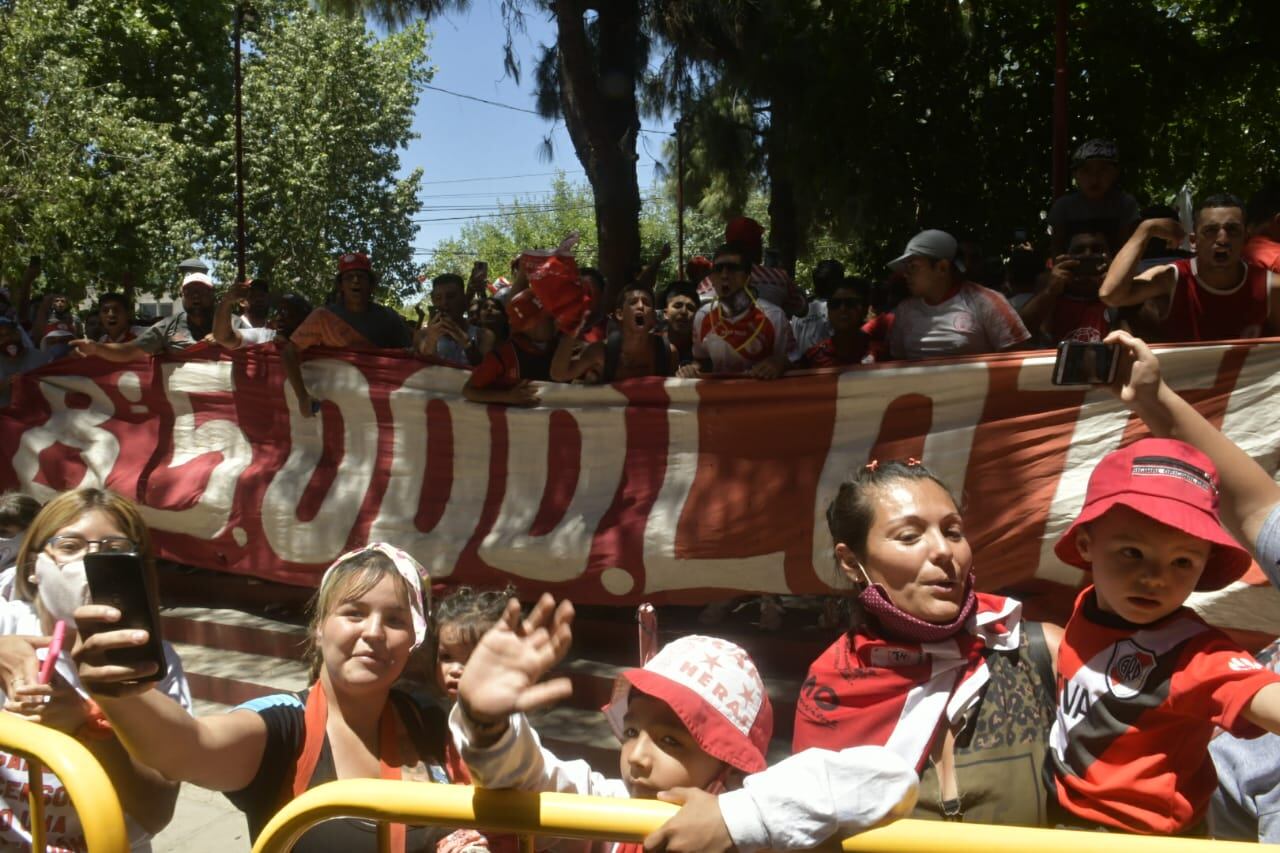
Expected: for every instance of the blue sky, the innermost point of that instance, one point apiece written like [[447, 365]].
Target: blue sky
[[471, 153]]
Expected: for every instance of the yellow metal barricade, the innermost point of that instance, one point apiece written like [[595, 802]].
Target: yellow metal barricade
[[597, 818], [87, 785]]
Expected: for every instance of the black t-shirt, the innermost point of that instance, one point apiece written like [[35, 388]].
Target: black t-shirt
[[285, 715]]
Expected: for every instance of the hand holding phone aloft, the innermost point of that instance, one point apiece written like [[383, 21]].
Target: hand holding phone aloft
[[1085, 363]]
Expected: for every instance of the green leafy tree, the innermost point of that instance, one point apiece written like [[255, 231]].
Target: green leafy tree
[[327, 109], [590, 78], [866, 120], [91, 178], [116, 142], [541, 223]]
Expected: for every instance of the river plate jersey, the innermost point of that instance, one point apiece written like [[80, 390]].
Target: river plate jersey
[[1137, 705]]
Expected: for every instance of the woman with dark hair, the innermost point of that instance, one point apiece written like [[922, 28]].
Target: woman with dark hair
[[847, 344], [488, 312], [953, 681]]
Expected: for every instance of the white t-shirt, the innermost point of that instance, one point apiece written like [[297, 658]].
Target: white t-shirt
[[63, 831], [251, 336], [973, 320], [734, 344], [813, 328]]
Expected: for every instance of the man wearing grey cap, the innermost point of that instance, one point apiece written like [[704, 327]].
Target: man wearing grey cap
[[946, 315]]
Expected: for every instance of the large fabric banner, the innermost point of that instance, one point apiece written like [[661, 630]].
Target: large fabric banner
[[644, 490]]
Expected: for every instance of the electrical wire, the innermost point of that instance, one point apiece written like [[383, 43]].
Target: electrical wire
[[517, 109]]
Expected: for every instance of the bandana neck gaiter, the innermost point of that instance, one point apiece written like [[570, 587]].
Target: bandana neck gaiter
[[898, 624]]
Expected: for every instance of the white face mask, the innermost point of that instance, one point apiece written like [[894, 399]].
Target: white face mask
[[9, 549], [61, 588]]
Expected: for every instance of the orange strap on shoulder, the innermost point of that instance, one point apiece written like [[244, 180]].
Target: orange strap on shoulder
[[315, 719]]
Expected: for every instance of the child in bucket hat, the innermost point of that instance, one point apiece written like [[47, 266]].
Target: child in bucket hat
[[1143, 680], [693, 722], [697, 715]]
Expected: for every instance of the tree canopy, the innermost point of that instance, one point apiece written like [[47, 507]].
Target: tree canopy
[[116, 154]]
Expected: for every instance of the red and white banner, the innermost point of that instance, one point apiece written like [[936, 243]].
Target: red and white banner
[[645, 490]]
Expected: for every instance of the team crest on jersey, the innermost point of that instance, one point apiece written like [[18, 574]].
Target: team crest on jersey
[[1128, 669]]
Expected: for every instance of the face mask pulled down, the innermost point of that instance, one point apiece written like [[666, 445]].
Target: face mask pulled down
[[61, 588], [903, 625]]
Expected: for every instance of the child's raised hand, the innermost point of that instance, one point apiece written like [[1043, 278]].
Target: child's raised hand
[[1138, 374], [698, 826], [502, 674]]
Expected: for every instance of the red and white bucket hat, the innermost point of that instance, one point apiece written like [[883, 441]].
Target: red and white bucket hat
[[1171, 482], [713, 686]]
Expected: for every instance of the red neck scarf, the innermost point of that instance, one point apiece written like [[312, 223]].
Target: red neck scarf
[[315, 720], [867, 690]]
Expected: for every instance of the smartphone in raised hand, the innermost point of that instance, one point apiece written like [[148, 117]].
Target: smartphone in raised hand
[[1081, 363], [123, 580]]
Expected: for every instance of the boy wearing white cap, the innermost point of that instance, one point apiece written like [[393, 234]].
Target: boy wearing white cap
[[697, 717]]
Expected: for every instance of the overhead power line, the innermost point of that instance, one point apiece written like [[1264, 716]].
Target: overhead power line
[[524, 209], [648, 165], [514, 108]]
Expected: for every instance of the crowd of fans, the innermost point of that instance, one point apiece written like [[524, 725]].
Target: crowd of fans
[[1110, 266], [936, 701]]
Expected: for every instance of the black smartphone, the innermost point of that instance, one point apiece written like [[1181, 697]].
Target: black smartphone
[[1088, 264], [1019, 235], [123, 581], [1081, 363]]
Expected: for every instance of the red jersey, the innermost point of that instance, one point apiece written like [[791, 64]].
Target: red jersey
[[1137, 705], [60, 324], [824, 354], [1198, 312], [1262, 252], [510, 362], [1079, 320], [879, 329]]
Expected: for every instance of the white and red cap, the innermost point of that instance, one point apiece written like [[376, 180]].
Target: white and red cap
[[412, 572], [713, 686]]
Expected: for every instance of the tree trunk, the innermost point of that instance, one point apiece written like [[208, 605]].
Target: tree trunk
[[598, 100]]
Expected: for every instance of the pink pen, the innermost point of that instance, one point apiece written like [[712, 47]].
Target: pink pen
[[55, 649]]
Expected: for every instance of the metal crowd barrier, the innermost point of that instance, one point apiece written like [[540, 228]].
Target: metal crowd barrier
[[601, 819], [87, 784]]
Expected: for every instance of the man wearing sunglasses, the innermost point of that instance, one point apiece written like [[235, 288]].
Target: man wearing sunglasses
[[739, 333]]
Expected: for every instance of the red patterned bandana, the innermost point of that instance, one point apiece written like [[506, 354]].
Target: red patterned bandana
[[867, 690]]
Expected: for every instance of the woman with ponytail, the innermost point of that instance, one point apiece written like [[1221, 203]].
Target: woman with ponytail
[[952, 681]]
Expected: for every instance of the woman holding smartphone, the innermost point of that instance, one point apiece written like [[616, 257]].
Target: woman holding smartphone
[[368, 617], [49, 586]]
